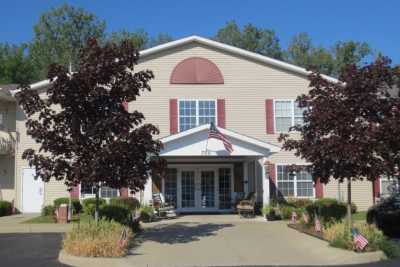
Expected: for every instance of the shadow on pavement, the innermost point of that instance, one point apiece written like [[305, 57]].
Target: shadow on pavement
[[39, 249]]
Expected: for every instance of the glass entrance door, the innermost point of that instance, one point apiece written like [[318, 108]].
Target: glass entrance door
[[207, 189], [188, 189]]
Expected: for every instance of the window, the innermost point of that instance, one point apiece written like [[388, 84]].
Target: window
[[2, 120], [294, 184], [287, 114], [105, 191], [170, 184], [388, 186], [193, 113]]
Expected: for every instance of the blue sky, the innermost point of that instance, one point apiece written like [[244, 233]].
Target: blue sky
[[376, 22]]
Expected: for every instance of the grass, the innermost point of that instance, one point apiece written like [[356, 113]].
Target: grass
[[360, 216], [50, 219]]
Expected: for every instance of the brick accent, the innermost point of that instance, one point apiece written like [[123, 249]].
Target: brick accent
[[377, 187], [124, 192], [221, 113], [173, 116], [74, 193], [319, 189], [269, 115]]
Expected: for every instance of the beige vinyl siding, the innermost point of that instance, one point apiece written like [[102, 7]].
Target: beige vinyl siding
[[247, 84], [361, 192], [7, 186]]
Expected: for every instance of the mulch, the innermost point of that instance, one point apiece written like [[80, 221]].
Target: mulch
[[307, 230]]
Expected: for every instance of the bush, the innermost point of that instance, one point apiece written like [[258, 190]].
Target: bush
[[89, 205], [353, 207], [130, 202], [386, 216], [329, 210], [338, 235], [5, 208], [120, 214], [286, 212], [48, 210], [299, 202], [76, 204], [146, 213], [96, 240]]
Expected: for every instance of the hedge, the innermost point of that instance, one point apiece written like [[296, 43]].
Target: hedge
[[329, 210], [5, 208], [89, 205], [76, 205], [130, 202]]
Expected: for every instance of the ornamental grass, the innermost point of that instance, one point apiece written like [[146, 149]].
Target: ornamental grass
[[97, 240]]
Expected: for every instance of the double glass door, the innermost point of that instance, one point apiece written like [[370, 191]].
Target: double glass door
[[204, 188]]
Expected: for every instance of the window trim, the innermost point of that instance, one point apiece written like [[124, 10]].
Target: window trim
[[197, 110], [294, 180], [85, 196], [292, 114], [383, 178]]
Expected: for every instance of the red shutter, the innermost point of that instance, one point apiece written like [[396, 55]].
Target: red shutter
[[74, 193], [221, 113], [272, 177], [124, 192], [173, 116], [125, 105], [377, 187], [269, 112], [319, 189]]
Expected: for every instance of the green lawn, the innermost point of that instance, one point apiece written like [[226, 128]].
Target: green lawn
[[50, 219], [360, 216]]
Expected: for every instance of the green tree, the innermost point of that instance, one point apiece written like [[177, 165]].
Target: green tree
[[16, 65], [259, 40], [139, 38], [161, 38], [350, 52], [60, 33]]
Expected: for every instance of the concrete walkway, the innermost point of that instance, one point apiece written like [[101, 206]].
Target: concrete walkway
[[14, 224], [225, 240]]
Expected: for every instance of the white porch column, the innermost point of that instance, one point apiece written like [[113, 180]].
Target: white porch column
[[265, 182], [148, 191], [246, 177]]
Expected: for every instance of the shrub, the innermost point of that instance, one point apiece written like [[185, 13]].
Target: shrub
[[353, 207], [48, 210], [329, 210], [386, 216], [96, 240], [76, 205], [146, 213], [286, 212], [266, 210], [120, 214], [89, 205], [273, 215], [299, 202], [5, 208], [338, 235], [130, 202]]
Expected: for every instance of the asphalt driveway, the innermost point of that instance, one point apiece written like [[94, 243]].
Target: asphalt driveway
[[22, 250]]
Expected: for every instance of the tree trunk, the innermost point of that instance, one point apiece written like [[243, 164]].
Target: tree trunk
[[96, 211], [349, 221]]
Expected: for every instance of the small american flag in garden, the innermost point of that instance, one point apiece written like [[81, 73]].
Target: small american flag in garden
[[214, 133], [317, 224], [306, 219], [123, 239], [360, 242], [294, 217]]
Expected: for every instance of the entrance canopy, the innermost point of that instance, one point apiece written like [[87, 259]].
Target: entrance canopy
[[195, 142]]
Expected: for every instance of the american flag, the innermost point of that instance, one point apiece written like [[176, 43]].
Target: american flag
[[294, 217], [214, 133], [359, 240], [317, 225], [305, 217]]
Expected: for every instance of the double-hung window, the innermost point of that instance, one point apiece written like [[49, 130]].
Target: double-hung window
[[287, 114], [105, 191], [193, 113], [294, 183], [389, 186]]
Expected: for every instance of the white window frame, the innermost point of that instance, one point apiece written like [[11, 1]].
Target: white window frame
[[197, 110], [294, 180], [84, 196], [383, 178], [292, 114]]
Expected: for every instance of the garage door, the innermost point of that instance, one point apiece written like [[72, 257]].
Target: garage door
[[32, 192]]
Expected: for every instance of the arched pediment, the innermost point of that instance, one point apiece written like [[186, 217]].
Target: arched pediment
[[196, 70]]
